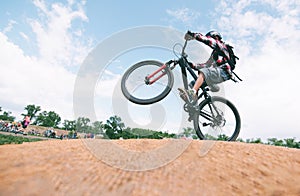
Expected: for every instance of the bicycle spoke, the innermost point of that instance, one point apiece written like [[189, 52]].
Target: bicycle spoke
[[216, 119], [146, 82], [137, 86]]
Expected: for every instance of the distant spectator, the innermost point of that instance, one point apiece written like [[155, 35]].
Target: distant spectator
[[26, 122], [75, 135]]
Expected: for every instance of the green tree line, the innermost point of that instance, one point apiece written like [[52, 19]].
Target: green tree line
[[114, 128]]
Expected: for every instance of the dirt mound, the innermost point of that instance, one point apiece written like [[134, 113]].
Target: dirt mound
[[151, 167]]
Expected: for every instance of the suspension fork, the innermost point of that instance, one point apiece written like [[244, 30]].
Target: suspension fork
[[162, 69]]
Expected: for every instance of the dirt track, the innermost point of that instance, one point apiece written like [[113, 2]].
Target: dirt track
[[69, 167]]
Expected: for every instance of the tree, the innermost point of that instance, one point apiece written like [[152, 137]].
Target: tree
[[145, 133], [275, 142], [7, 116], [127, 134], [48, 119], [32, 111], [98, 127], [291, 143], [69, 125], [113, 127], [188, 132], [222, 137], [82, 124]]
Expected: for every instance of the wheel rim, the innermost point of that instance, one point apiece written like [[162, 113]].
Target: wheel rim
[[135, 86], [223, 124]]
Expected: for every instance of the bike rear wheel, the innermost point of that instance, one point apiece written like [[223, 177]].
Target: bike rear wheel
[[217, 119], [137, 88]]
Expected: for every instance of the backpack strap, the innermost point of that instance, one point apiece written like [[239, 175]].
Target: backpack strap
[[233, 79]]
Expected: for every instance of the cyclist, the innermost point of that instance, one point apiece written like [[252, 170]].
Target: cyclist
[[215, 70]]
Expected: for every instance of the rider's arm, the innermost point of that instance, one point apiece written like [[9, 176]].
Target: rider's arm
[[211, 42], [198, 66], [202, 38]]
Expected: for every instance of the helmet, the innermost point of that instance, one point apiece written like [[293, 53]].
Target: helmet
[[214, 34]]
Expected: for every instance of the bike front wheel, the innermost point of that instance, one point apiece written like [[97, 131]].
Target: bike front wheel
[[147, 82], [217, 119]]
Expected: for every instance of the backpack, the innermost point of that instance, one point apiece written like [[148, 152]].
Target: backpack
[[232, 60]]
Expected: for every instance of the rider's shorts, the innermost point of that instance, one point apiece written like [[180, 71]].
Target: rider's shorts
[[214, 75]]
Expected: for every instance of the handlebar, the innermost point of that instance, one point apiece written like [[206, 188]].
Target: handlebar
[[183, 54]]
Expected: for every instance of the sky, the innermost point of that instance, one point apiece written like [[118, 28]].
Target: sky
[[45, 46]]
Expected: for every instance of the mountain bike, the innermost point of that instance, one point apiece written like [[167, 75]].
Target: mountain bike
[[150, 81]]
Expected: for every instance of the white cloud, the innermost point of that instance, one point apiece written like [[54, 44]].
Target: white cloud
[[274, 20], [9, 26], [24, 36], [56, 41], [106, 84], [184, 15], [44, 79]]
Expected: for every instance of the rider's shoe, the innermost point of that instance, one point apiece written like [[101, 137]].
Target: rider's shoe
[[214, 88], [188, 96]]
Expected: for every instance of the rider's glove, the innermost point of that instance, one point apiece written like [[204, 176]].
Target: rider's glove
[[189, 35]]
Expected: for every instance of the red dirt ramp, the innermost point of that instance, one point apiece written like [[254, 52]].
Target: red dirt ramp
[[148, 167]]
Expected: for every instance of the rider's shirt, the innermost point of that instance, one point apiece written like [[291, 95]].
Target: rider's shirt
[[219, 54], [218, 47]]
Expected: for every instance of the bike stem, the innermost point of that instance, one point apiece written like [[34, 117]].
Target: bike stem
[[183, 48]]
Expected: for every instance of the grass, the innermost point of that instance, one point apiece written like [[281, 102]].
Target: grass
[[10, 139]]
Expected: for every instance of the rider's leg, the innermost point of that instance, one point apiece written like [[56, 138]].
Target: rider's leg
[[191, 95], [198, 82]]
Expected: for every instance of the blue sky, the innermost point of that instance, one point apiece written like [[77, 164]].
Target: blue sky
[[44, 43]]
